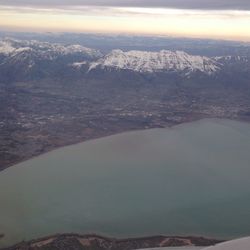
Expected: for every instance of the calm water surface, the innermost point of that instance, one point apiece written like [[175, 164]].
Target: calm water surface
[[191, 179]]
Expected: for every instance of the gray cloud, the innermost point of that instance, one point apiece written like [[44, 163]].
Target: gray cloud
[[180, 4]]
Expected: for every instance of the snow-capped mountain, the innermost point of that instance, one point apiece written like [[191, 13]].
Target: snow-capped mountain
[[29, 59], [165, 60], [235, 65], [232, 59], [22, 60], [6, 48], [19, 50]]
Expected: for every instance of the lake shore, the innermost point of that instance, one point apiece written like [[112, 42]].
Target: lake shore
[[93, 136], [97, 242]]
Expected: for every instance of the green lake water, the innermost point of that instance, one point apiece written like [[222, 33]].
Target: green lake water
[[192, 179]]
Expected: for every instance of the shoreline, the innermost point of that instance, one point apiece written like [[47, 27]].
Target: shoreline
[[94, 138], [168, 126], [98, 242]]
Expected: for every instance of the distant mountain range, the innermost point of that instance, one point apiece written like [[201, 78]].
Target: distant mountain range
[[108, 42], [153, 62], [21, 60]]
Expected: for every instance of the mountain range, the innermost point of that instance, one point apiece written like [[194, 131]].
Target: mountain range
[[22, 60]]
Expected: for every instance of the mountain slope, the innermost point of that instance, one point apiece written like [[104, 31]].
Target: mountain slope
[[33, 60], [22, 60], [165, 60], [10, 47]]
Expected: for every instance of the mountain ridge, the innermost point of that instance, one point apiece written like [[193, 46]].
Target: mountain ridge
[[31, 59], [31, 53], [164, 60]]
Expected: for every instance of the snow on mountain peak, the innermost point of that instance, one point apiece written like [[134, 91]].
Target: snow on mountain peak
[[78, 65], [165, 60], [32, 52], [47, 50], [6, 48]]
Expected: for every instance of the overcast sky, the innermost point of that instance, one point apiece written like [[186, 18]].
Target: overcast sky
[[180, 4], [223, 19]]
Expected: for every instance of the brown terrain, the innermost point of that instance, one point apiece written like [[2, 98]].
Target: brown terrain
[[95, 242], [37, 117]]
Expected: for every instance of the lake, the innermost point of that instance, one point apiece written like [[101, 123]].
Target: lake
[[192, 179]]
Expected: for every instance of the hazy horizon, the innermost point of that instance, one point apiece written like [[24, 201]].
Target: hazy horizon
[[227, 20]]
